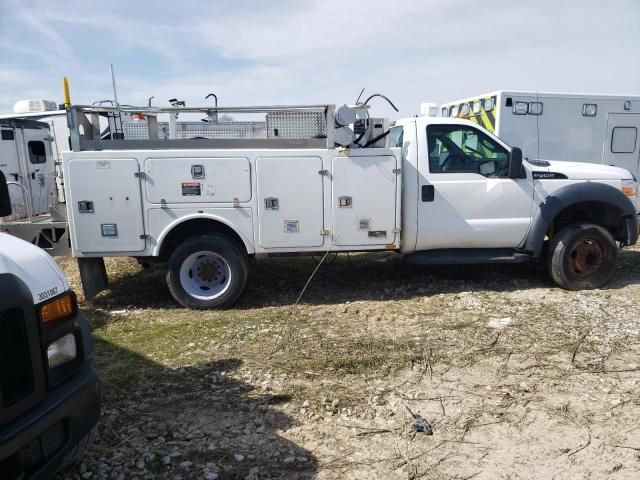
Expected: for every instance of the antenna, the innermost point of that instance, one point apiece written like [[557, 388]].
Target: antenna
[[360, 96], [113, 82]]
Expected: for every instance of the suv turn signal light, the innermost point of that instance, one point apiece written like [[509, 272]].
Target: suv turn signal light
[[62, 306]]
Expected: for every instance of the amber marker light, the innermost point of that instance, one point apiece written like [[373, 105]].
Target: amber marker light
[[59, 308]]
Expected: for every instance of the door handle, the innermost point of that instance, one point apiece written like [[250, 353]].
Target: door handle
[[428, 193]]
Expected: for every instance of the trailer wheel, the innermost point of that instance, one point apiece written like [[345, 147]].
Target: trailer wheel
[[207, 271], [582, 256]]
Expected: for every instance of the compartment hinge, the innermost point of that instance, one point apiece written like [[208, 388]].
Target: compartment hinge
[[397, 170], [144, 236], [323, 172], [324, 232], [140, 175], [395, 230]]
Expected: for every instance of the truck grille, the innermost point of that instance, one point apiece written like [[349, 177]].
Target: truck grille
[[16, 380]]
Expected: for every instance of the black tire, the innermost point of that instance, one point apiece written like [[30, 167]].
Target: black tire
[[79, 449], [582, 256], [233, 275]]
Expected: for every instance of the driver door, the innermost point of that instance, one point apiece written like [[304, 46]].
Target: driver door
[[466, 198]]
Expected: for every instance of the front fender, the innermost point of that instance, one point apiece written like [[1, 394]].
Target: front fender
[[572, 195]]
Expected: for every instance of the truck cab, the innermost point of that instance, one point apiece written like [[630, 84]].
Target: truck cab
[[49, 395], [477, 200]]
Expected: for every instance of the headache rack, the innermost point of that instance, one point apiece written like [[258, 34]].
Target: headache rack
[[112, 127]]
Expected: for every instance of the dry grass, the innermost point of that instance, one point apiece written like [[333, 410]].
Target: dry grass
[[371, 335]]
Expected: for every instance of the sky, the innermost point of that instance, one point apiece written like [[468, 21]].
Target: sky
[[252, 52]]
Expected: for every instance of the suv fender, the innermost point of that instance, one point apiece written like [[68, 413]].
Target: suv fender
[[579, 193]]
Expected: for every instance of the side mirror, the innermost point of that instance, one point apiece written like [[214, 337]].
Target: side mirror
[[515, 163], [5, 201]]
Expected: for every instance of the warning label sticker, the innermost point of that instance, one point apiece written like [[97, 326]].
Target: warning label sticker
[[191, 189]]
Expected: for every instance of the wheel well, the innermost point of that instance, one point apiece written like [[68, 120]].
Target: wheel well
[[197, 226], [603, 214]]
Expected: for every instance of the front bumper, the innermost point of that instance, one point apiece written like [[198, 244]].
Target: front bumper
[[632, 227], [34, 445]]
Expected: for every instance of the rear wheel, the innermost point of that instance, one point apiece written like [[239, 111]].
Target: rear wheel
[[582, 256], [208, 271]]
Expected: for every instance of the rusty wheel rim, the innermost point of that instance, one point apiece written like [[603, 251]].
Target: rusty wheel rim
[[587, 256]]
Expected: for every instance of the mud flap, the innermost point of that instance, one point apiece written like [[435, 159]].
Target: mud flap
[[93, 275]]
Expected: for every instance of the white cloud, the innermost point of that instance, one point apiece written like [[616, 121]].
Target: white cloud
[[310, 51]]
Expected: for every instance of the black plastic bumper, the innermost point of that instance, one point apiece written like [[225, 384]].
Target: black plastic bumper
[[33, 445], [632, 226]]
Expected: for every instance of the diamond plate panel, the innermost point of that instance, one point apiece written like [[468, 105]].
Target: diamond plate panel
[[295, 124]]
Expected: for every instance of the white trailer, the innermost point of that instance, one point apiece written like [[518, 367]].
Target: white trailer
[[28, 163], [203, 197], [559, 126]]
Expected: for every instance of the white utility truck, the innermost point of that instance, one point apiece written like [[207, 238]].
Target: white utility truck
[[559, 126], [206, 196], [49, 394]]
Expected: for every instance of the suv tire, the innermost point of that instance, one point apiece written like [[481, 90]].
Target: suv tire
[[582, 256]]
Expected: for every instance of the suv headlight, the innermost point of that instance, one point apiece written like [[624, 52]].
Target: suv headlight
[[62, 351], [630, 189]]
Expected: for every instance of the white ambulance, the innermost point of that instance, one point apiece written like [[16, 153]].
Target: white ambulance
[[559, 126]]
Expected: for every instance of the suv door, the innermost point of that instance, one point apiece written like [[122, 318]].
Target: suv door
[[467, 199]]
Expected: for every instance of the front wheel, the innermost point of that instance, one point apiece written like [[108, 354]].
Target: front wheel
[[582, 256], [208, 271]]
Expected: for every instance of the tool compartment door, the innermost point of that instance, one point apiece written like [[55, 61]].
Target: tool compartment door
[[290, 209], [104, 205], [194, 180], [364, 200]]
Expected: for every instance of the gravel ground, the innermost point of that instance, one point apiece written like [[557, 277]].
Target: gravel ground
[[515, 377]]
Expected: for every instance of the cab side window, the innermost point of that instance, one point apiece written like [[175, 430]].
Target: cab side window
[[459, 148]]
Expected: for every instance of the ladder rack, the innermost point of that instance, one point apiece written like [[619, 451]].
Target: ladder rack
[[100, 127]]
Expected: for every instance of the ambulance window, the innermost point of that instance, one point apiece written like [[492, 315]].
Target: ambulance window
[[37, 153], [488, 104], [7, 135], [623, 139], [395, 137]]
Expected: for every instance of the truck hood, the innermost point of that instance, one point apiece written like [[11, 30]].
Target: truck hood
[[584, 171], [33, 266]]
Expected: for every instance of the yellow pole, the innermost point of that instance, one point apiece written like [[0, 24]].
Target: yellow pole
[[67, 97]]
